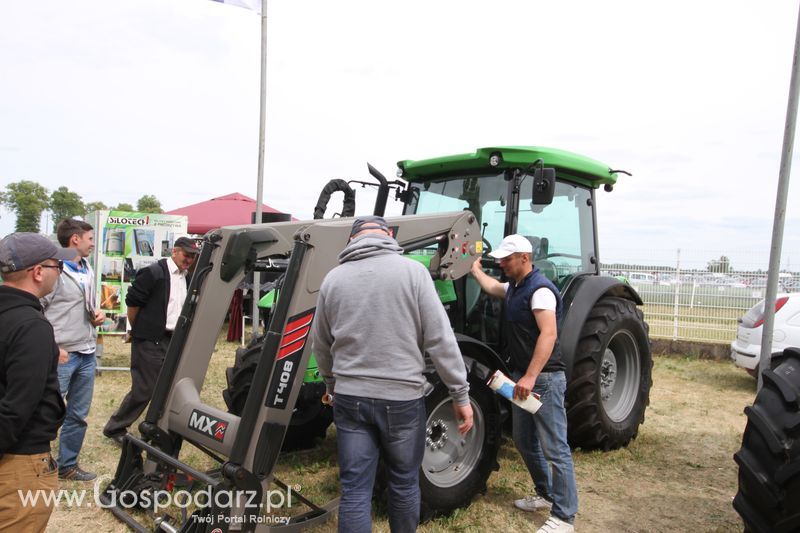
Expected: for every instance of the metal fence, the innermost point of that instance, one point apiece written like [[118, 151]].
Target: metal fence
[[697, 295]]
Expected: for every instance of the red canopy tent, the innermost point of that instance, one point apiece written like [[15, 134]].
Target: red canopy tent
[[228, 210]]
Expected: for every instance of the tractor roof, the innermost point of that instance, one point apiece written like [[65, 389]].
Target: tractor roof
[[569, 166]]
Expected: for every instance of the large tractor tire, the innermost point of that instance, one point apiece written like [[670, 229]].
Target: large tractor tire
[[310, 419], [611, 377], [769, 459], [455, 468]]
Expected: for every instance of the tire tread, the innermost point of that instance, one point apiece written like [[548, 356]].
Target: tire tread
[[768, 498], [586, 417]]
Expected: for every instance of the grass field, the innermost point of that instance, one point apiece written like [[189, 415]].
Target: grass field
[[677, 475]]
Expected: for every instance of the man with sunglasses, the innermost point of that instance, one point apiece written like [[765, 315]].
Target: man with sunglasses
[[31, 407], [70, 308]]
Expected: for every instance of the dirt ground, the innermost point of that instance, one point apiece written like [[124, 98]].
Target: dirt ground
[[678, 475]]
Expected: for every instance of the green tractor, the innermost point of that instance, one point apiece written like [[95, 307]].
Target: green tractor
[[548, 196]]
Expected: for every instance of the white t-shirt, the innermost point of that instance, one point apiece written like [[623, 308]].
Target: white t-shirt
[[177, 294], [543, 298]]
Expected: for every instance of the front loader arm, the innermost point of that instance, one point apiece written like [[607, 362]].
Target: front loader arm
[[252, 441]]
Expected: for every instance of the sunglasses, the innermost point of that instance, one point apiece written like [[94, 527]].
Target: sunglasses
[[59, 266]]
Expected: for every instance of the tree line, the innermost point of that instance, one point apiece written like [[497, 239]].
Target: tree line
[[28, 200]]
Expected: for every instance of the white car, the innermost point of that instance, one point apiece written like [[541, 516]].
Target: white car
[[746, 349], [641, 278]]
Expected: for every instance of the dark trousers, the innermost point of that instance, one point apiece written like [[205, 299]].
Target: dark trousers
[[365, 427], [147, 357]]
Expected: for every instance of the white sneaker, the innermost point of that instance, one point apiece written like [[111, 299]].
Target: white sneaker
[[555, 525], [532, 503]]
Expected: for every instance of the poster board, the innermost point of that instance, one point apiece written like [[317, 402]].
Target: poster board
[[125, 242]]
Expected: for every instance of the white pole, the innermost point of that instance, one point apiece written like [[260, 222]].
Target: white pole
[[780, 211], [261, 150], [677, 295]]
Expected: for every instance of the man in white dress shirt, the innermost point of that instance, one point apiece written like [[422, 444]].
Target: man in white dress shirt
[[154, 301]]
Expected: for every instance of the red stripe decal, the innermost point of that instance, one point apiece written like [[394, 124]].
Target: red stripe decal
[[299, 323], [289, 349], [291, 337]]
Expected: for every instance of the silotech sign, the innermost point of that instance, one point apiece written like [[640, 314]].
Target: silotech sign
[[125, 242]]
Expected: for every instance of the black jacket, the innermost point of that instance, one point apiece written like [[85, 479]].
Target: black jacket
[[150, 293], [31, 407]]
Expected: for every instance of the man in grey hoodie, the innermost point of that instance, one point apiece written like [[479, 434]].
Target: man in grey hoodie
[[70, 308], [377, 317]]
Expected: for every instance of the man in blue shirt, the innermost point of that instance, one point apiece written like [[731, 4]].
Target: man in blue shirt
[[70, 308]]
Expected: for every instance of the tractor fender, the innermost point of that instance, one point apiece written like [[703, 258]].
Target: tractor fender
[[579, 297], [479, 358]]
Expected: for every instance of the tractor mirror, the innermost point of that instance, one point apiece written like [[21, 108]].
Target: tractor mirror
[[544, 185]]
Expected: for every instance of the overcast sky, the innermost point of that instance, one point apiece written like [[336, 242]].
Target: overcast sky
[[131, 97]]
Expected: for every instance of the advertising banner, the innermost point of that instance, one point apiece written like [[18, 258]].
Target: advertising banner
[[125, 242]]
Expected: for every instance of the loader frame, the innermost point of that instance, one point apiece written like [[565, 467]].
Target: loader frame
[[248, 446]]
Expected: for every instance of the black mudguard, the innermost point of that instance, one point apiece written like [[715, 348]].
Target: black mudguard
[[579, 296]]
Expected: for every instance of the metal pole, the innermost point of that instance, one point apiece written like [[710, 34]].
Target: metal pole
[[261, 150], [780, 211]]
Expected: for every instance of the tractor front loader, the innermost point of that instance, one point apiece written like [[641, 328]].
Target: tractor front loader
[[247, 445]]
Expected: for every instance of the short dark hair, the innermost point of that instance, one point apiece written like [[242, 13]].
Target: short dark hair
[[13, 276], [69, 227]]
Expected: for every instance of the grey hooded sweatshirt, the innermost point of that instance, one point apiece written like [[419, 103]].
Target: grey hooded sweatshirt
[[377, 315], [66, 309]]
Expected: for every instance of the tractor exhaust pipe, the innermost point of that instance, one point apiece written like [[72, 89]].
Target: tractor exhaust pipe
[[383, 191]]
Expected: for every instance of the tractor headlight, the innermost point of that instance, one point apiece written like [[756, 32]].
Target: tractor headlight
[[495, 160]]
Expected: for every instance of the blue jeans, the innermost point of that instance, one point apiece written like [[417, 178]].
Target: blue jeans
[[76, 380], [365, 429], [542, 441]]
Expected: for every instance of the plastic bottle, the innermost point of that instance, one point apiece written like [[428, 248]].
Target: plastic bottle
[[503, 386]]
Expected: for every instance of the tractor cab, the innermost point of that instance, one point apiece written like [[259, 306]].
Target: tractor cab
[[512, 190], [544, 194]]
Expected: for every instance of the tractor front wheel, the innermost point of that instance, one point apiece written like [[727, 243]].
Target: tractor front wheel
[[455, 467]]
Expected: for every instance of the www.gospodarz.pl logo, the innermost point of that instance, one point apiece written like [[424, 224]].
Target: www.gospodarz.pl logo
[[157, 500]]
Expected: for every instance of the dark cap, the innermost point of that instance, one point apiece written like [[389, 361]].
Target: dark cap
[[22, 250], [369, 222], [187, 245]]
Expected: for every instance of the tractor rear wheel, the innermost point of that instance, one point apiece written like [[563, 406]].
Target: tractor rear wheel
[[611, 377], [769, 459], [310, 419]]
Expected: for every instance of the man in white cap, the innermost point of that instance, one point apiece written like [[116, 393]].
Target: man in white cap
[[31, 407], [532, 311]]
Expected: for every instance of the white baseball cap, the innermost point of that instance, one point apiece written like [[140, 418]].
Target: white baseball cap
[[511, 245]]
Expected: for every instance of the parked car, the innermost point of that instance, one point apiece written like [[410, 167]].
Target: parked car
[[746, 349], [641, 278], [761, 283]]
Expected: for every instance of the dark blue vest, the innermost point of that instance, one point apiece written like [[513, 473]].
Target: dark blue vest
[[521, 329]]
